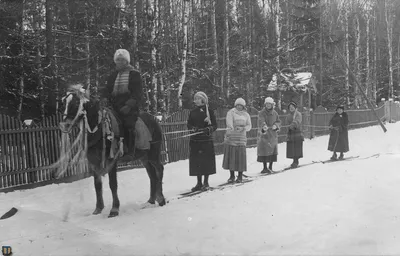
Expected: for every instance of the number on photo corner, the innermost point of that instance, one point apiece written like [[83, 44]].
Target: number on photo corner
[[6, 250]]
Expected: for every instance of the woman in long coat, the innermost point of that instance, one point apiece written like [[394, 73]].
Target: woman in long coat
[[295, 138], [238, 122], [339, 136], [202, 123], [267, 142]]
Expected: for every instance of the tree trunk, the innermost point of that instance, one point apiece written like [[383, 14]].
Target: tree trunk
[[88, 55], [51, 83], [357, 96], [134, 48], [278, 43], [226, 46], [375, 42], [38, 61], [182, 79], [347, 47], [389, 32], [367, 65], [214, 43], [152, 14], [21, 78], [320, 55]]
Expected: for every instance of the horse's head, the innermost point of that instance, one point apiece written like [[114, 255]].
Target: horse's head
[[74, 105]]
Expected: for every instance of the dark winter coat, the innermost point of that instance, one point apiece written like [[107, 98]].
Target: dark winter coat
[[294, 121], [339, 136], [202, 155], [132, 99], [295, 138]]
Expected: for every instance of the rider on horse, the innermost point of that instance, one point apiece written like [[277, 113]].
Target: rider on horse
[[124, 93]]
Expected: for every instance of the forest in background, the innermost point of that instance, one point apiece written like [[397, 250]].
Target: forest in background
[[226, 48]]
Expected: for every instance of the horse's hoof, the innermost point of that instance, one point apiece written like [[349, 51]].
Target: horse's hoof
[[113, 214], [97, 211], [151, 201], [162, 203]]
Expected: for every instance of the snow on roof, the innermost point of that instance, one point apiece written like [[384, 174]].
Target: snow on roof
[[298, 81]]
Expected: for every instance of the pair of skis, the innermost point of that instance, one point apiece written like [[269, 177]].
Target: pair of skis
[[219, 187], [252, 177]]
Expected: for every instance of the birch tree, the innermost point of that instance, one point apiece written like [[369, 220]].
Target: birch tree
[[214, 41], [182, 79], [389, 32], [152, 15], [357, 99], [22, 77]]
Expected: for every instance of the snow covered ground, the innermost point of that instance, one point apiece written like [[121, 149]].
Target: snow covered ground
[[341, 208]]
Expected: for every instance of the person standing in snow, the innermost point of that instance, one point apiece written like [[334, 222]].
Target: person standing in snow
[[267, 142], [339, 136], [202, 123], [238, 122], [295, 138]]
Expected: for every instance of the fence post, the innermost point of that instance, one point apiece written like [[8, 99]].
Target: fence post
[[312, 121]]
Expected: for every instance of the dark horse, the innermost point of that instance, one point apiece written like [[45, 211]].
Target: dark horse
[[78, 106]]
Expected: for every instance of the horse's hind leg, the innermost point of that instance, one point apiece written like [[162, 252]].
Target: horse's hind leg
[[98, 185], [158, 170], [112, 176], [153, 180]]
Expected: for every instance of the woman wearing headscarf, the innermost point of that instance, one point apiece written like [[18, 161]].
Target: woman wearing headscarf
[[202, 123], [238, 122], [124, 92], [267, 142], [339, 136], [295, 138]]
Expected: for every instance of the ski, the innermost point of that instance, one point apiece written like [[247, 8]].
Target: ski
[[337, 160], [234, 184], [193, 193]]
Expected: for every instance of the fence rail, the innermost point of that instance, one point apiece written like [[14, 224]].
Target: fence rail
[[26, 153]]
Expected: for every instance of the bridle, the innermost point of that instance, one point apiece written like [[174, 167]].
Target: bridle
[[81, 112]]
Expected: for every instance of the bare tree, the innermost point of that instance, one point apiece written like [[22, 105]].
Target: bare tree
[[182, 79], [389, 31]]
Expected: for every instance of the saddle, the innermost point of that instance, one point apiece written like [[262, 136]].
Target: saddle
[[112, 130]]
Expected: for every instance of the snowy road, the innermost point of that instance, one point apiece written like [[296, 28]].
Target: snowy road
[[349, 207]]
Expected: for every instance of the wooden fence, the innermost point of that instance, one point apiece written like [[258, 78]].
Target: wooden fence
[[26, 153]]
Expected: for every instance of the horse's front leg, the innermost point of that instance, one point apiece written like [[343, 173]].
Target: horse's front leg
[[98, 185], [112, 176]]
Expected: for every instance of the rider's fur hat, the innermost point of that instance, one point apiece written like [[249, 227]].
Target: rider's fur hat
[[122, 53]]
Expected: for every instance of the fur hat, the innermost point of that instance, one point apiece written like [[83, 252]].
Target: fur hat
[[269, 100], [293, 104], [240, 101], [204, 97], [122, 53]]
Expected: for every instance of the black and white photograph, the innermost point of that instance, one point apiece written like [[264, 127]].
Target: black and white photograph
[[199, 127]]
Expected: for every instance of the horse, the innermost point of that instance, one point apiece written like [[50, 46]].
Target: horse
[[80, 108]]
